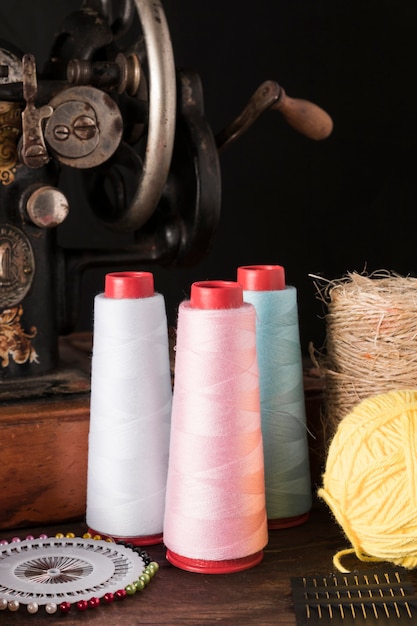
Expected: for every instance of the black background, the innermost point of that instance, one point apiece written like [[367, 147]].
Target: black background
[[317, 208]]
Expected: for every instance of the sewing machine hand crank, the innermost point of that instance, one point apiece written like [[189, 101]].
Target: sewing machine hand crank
[[304, 116]]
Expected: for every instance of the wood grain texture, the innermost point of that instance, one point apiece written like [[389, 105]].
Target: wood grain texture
[[43, 451]]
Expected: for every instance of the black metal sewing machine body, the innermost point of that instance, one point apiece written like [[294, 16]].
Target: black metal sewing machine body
[[110, 105], [38, 280]]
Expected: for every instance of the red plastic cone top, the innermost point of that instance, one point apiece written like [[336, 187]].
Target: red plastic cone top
[[216, 294], [261, 277], [129, 285]]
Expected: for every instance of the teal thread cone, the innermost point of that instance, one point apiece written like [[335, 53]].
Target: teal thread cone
[[284, 428]]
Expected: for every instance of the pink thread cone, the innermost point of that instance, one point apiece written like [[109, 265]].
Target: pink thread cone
[[215, 517]]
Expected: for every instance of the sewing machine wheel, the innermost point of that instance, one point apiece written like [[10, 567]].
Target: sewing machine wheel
[[161, 115], [167, 192], [97, 50]]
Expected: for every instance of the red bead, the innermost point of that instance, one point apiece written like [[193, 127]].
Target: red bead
[[120, 594], [82, 605], [65, 607], [108, 597], [93, 603]]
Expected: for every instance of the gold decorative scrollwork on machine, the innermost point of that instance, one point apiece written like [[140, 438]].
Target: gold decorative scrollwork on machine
[[10, 131], [14, 341]]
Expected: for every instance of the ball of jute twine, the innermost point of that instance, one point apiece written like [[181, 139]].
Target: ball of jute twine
[[371, 339]]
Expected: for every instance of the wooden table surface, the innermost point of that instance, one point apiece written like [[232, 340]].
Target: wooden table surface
[[260, 595]]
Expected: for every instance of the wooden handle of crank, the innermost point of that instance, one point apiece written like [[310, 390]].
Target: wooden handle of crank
[[306, 117]]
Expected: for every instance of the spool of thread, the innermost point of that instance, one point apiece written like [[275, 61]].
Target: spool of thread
[[370, 479], [284, 428], [215, 517], [131, 400]]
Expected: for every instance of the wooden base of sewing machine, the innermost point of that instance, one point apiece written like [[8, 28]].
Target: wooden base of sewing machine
[[43, 453], [44, 443], [44, 427]]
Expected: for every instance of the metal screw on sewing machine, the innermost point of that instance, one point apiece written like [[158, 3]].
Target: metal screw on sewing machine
[[61, 132], [85, 127], [35, 155]]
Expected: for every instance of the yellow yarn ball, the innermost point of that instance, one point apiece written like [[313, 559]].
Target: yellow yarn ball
[[370, 479]]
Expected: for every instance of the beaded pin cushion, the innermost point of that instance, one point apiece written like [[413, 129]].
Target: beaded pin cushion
[[65, 572]]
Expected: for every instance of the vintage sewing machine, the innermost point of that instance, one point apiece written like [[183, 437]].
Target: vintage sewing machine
[[110, 107]]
